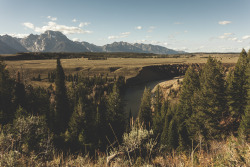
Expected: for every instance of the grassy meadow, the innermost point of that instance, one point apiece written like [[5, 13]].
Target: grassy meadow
[[127, 67]]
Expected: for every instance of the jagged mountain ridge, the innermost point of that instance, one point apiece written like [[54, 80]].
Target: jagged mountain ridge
[[51, 41], [54, 41]]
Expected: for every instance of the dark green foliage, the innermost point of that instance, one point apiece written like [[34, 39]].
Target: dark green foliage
[[173, 136], [6, 87], [164, 135], [19, 93], [157, 100], [115, 112], [101, 124], [62, 110], [158, 118], [209, 102], [81, 126], [190, 85], [237, 90], [38, 101], [244, 129], [160, 108], [145, 112]]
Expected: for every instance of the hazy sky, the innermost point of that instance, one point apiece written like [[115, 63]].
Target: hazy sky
[[189, 25]]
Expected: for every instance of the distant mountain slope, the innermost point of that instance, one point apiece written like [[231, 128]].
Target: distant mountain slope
[[91, 47], [54, 41], [6, 49], [13, 43], [155, 49]]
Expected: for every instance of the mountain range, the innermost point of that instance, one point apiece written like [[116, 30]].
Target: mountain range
[[55, 41]]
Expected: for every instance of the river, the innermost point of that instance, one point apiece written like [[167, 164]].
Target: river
[[133, 95]]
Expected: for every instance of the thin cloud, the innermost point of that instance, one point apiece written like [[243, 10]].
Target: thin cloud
[[226, 36], [234, 39], [29, 25], [76, 39], [122, 35], [57, 27], [82, 24], [16, 35], [52, 18], [151, 28], [224, 22], [125, 33], [138, 27], [246, 37], [74, 20]]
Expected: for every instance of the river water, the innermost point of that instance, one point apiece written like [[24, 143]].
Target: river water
[[133, 95]]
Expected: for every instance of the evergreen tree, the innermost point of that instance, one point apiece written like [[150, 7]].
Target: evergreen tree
[[19, 93], [115, 113], [167, 120], [102, 124], [81, 127], [237, 90], [173, 136], [210, 101], [6, 86], [37, 101], [157, 100], [158, 118], [145, 112], [190, 85], [62, 110], [244, 129]]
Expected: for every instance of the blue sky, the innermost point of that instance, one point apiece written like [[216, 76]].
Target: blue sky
[[189, 25]]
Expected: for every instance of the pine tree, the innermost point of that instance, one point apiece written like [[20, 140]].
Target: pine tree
[[101, 124], [6, 86], [115, 112], [19, 93], [157, 100], [237, 90], [158, 117], [145, 112], [167, 120], [244, 128], [210, 101], [190, 85], [173, 136], [62, 110]]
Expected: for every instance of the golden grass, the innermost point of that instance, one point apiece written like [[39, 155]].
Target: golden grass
[[127, 67]]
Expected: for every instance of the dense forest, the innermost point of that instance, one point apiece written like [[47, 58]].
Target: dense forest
[[80, 120], [89, 55]]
